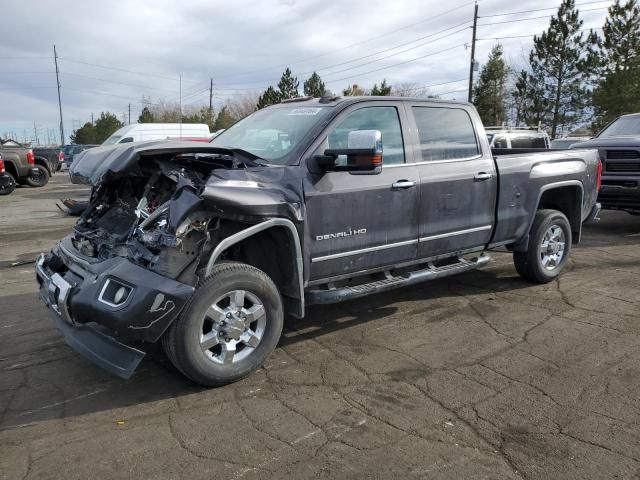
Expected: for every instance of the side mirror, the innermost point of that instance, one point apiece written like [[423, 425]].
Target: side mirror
[[364, 153]]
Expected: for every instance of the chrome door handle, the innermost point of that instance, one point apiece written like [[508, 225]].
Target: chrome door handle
[[483, 176], [403, 184]]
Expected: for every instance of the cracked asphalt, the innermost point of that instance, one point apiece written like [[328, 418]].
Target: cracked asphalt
[[476, 376]]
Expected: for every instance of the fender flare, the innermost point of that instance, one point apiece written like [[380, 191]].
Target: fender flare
[[259, 227], [521, 244]]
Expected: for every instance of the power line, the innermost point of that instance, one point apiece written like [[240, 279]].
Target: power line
[[107, 67], [371, 55], [397, 64], [532, 34], [116, 82], [532, 18], [431, 18], [541, 9]]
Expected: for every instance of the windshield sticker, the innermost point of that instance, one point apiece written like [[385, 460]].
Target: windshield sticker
[[305, 111]]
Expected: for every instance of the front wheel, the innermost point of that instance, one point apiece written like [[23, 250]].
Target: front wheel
[[230, 326], [548, 249], [38, 177]]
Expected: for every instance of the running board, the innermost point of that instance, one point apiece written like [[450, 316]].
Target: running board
[[334, 295]]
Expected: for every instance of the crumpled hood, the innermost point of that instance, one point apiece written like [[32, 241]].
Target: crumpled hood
[[94, 164], [254, 191]]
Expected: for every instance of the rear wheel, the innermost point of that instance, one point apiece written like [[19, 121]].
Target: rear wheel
[[38, 177], [548, 249], [228, 329], [10, 185]]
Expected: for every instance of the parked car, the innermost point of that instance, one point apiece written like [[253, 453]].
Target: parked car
[[7, 182], [23, 166], [139, 132], [517, 137], [565, 142], [52, 158], [619, 147], [70, 151], [205, 247]]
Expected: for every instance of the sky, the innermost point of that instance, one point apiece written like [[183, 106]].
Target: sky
[[117, 53]]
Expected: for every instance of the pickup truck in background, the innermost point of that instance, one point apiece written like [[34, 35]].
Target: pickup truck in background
[[22, 165], [619, 147], [50, 158], [206, 247]]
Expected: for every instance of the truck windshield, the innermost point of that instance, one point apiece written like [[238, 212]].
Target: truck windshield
[[272, 133], [112, 140], [623, 126]]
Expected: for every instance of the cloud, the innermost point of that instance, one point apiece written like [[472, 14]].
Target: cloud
[[242, 45]]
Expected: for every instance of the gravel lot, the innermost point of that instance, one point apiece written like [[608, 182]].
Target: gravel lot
[[477, 376]]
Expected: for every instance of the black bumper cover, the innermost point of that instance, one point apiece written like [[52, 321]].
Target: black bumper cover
[[72, 286]]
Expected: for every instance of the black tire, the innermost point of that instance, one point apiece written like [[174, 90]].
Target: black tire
[[529, 264], [181, 342], [10, 187], [39, 177]]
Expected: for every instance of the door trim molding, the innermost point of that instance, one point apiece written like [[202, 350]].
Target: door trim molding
[[363, 250], [400, 244], [455, 233]]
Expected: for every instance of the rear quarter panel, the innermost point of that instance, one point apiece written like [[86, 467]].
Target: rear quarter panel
[[523, 178]]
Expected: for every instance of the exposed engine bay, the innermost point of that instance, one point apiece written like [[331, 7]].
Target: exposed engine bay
[[154, 216]]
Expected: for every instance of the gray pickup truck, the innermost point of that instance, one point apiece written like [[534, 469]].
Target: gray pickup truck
[[206, 247], [22, 166]]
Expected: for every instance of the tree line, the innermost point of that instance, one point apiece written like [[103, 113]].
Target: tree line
[[571, 78]]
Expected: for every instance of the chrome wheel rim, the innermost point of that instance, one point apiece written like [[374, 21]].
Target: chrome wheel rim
[[552, 248], [233, 327]]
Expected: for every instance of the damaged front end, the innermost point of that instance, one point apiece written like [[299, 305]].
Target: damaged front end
[[142, 245]]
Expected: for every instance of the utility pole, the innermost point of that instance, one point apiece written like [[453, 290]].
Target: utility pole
[[55, 59], [211, 97], [180, 96], [473, 51], [35, 134], [92, 120], [129, 114]]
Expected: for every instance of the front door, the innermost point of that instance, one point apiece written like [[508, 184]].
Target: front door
[[458, 183], [357, 222]]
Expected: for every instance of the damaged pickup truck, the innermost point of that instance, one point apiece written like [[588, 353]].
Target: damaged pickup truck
[[206, 247]]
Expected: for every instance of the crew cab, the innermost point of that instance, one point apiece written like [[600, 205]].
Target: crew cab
[[619, 147], [206, 247]]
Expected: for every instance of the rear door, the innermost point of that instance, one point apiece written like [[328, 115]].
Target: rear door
[[458, 181], [358, 222]]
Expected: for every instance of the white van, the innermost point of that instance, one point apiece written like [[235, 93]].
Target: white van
[[139, 132]]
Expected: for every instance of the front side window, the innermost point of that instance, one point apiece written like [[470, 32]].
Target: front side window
[[445, 133], [384, 119]]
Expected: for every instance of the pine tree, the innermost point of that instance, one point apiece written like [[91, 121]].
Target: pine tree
[[146, 116], [224, 119], [530, 102], [489, 92], [618, 89], [288, 85], [269, 97], [383, 91], [314, 86], [559, 61]]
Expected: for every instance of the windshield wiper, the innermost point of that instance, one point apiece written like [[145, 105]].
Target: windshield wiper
[[249, 158]]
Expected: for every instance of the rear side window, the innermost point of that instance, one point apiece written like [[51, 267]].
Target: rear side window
[[528, 141], [445, 133]]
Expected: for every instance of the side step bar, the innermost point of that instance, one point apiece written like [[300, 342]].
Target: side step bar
[[334, 295]]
